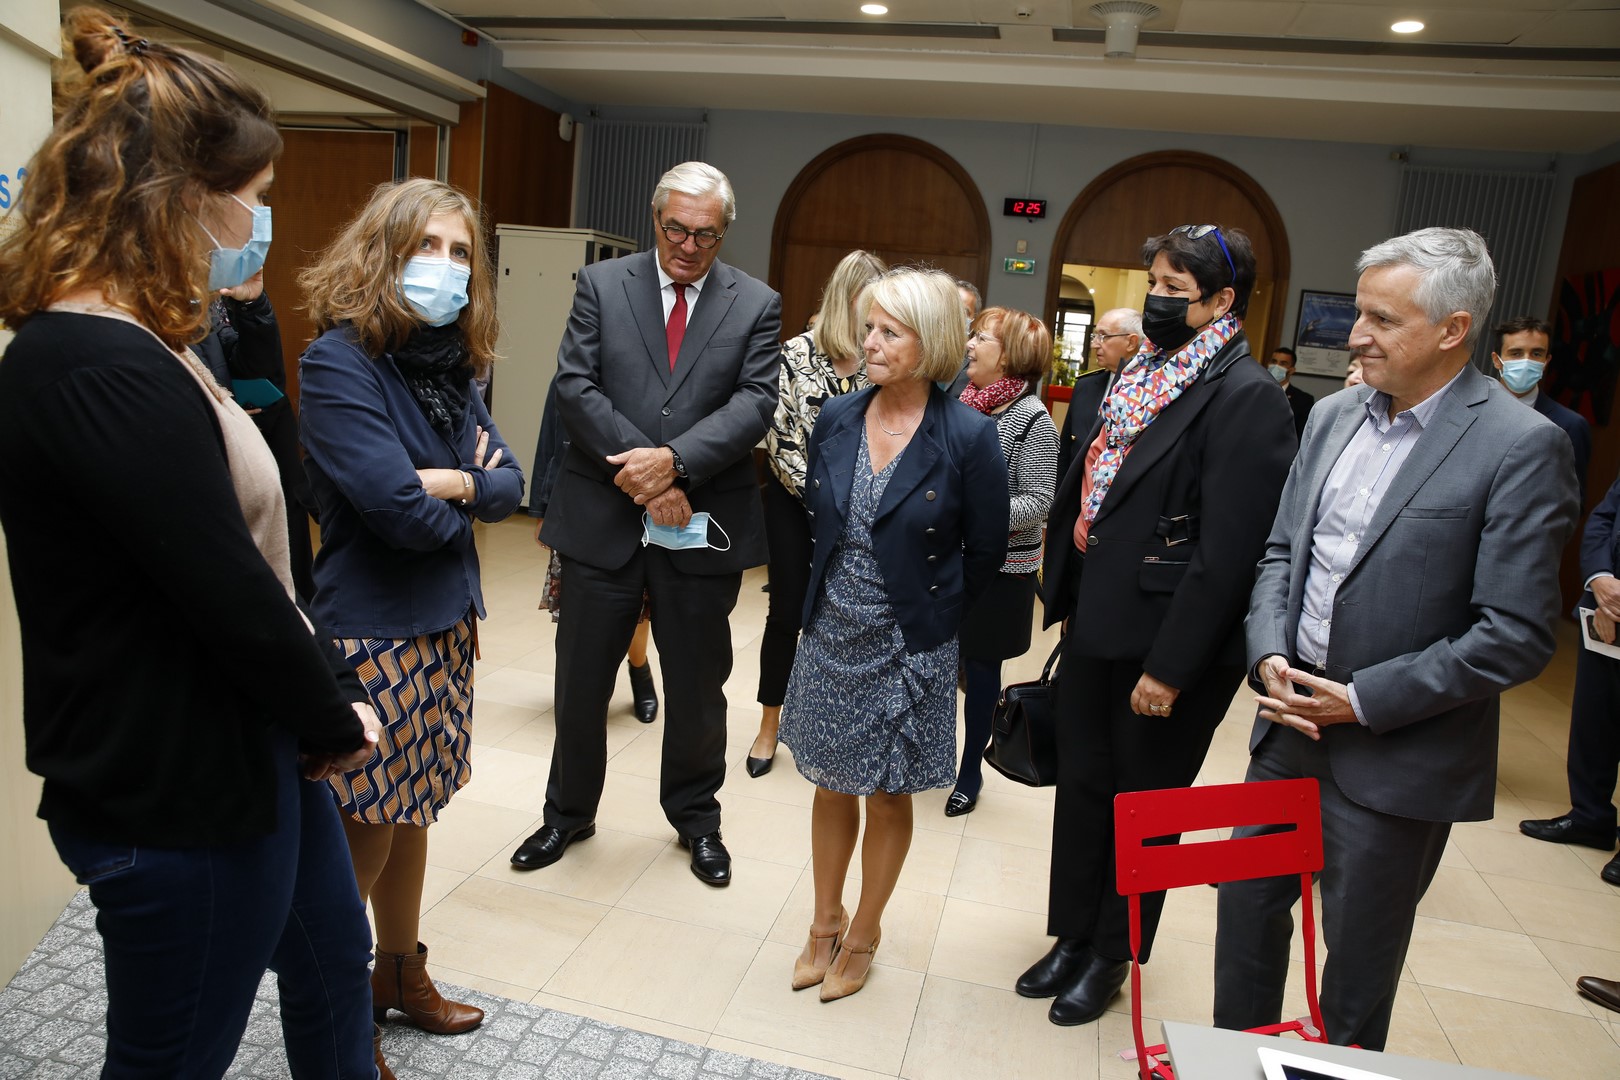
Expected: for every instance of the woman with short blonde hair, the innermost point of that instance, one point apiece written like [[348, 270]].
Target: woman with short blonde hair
[[907, 497]]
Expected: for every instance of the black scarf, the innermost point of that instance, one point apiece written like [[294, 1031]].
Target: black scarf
[[434, 362]]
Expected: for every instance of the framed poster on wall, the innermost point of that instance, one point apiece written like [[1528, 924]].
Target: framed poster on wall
[[1322, 334]]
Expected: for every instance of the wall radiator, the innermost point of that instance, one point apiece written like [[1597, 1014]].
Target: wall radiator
[[624, 159], [1509, 209]]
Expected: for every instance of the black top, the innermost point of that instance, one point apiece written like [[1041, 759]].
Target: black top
[[158, 645]]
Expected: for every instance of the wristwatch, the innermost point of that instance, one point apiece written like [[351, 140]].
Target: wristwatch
[[680, 466]]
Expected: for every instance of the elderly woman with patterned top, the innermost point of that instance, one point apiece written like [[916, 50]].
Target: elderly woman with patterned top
[[1008, 353], [172, 690], [1150, 557], [403, 459], [907, 497], [817, 366]]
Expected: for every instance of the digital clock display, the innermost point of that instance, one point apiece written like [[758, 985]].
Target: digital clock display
[[1024, 208]]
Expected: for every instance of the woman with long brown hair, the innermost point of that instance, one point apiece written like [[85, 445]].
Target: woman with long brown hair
[[403, 458], [172, 689]]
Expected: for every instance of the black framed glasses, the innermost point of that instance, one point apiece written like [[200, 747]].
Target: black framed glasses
[[1198, 232], [677, 234]]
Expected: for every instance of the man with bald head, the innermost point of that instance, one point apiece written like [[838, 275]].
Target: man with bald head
[[1114, 340]]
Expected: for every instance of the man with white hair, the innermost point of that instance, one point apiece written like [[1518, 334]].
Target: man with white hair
[[666, 378], [1410, 577]]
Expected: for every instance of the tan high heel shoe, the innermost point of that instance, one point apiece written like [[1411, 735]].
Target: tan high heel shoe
[[807, 973], [834, 985]]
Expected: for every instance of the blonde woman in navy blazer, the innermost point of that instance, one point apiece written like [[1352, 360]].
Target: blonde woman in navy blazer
[[907, 496]]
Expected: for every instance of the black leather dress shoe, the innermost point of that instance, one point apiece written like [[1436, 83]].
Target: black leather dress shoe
[[759, 766], [547, 844], [645, 694], [711, 862], [1611, 871], [1049, 974], [960, 803], [1087, 997], [1605, 992], [1565, 830]]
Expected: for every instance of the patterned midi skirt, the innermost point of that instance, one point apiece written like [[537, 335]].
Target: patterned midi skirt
[[422, 690]]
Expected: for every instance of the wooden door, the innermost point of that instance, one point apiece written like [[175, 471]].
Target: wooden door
[[904, 200], [323, 178], [1152, 194]]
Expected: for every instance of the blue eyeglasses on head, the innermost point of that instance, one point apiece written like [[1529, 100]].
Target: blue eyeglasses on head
[[1198, 232]]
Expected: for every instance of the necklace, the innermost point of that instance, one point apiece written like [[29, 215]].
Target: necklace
[[903, 427]]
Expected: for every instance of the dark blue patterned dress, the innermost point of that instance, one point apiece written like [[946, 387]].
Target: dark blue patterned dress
[[861, 714]]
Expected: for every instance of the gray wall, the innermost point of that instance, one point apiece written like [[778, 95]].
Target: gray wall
[[1335, 198]]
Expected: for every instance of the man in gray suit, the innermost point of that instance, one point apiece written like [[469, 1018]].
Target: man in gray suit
[[666, 378], [1410, 577]]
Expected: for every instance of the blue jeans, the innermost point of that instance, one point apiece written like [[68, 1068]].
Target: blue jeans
[[189, 932]]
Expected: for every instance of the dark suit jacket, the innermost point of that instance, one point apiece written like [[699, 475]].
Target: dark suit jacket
[[1450, 599], [1301, 403], [1217, 454], [941, 528], [1600, 543], [1578, 430], [1081, 417], [614, 392]]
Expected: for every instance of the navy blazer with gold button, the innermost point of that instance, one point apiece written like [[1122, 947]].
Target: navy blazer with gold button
[[941, 527]]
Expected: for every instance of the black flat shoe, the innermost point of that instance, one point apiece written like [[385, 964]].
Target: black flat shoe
[[1087, 997], [1565, 830], [711, 862], [960, 803], [759, 766], [642, 689], [547, 844], [1062, 962], [1611, 871]]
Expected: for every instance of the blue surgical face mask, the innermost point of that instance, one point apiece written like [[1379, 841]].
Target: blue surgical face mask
[[230, 267], [694, 534], [1278, 372], [435, 288], [1521, 376]]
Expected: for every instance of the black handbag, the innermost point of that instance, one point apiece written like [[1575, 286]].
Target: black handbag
[[1023, 734]]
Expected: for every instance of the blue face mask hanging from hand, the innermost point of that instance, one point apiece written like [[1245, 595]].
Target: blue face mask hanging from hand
[[230, 267], [435, 288], [694, 534]]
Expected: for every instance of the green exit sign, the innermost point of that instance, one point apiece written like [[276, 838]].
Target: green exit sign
[[1018, 266]]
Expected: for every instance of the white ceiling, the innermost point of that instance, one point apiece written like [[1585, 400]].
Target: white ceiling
[[1535, 75]]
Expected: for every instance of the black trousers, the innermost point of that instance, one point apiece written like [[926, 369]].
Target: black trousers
[[1594, 740], [691, 626], [1104, 749], [787, 532]]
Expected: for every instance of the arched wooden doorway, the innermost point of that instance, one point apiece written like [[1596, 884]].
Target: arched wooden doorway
[[1151, 194], [901, 198]]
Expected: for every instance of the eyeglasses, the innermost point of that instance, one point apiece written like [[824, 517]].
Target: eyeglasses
[[677, 235], [1198, 232], [1100, 336], [983, 338]]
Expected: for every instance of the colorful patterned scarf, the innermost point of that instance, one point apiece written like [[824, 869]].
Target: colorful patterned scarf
[[1152, 380], [992, 397]]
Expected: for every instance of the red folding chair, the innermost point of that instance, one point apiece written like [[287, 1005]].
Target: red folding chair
[[1140, 868]]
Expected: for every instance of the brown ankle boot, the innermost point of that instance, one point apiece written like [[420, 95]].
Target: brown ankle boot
[[383, 1071], [401, 982]]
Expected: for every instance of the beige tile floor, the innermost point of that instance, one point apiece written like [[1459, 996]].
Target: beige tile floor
[[620, 930]]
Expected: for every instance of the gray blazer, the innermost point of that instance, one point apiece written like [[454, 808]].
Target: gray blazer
[[1450, 600], [615, 391]]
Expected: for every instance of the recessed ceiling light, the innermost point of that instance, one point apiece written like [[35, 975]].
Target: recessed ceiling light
[[874, 9], [1406, 26]]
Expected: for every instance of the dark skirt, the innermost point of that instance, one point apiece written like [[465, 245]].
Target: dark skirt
[[997, 626]]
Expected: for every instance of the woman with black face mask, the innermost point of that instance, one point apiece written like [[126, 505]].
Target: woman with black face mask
[[1150, 554]]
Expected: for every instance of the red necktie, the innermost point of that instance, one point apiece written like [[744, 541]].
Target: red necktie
[[675, 329]]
